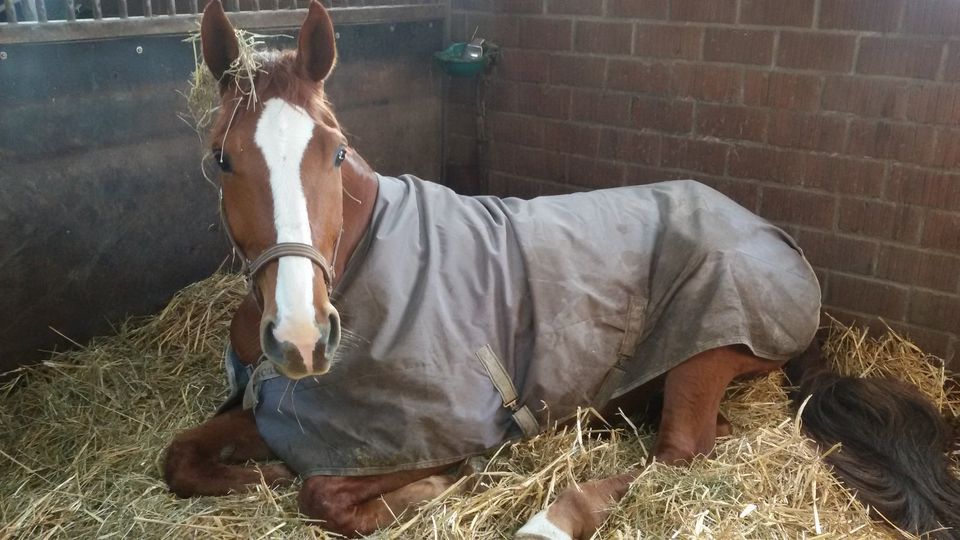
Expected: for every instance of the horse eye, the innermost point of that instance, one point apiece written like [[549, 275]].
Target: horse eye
[[341, 155], [222, 160]]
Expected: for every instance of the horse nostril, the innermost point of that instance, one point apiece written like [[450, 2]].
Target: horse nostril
[[333, 336], [268, 341]]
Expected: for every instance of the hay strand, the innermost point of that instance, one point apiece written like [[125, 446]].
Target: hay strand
[[82, 436]]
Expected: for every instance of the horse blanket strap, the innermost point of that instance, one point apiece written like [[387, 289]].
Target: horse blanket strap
[[611, 382], [292, 249], [508, 392], [264, 371], [632, 334]]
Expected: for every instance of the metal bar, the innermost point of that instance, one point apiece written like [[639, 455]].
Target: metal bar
[[42, 10], [148, 8], [11, 12], [256, 5], [29, 8], [193, 7], [71, 10], [122, 5], [97, 10], [276, 5], [234, 5], [55, 31], [171, 7]]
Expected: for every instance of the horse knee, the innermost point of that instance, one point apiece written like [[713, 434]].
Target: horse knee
[[318, 502]]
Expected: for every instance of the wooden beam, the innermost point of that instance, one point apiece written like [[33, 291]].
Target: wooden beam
[[86, 29]]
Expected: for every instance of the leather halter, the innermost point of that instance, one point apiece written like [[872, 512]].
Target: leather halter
[[250, 268]]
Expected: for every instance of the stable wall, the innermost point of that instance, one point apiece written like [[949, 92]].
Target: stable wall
[[103, 208], [839, 120]]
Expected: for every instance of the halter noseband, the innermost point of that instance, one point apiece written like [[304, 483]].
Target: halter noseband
[[276, 251]]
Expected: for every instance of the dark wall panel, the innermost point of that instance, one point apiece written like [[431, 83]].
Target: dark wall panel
[[103, 210]]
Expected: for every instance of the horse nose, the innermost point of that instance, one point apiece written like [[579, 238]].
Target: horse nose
[[299, 355]]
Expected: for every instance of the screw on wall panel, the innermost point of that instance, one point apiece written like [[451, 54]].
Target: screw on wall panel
[[336, 35], [139, 49], [392, 28], [3, 55], [429, 25]]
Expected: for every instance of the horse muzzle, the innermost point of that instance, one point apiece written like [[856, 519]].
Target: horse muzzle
[[303, 350]]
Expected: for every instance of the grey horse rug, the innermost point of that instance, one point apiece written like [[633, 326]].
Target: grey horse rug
[[476, 320]]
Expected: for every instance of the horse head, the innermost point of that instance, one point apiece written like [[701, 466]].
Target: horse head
[[279, 148]]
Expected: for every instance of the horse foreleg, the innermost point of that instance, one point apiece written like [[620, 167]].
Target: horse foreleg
[[579, 511], [360, 505], [209, 459], [689, 425], [691, 419]]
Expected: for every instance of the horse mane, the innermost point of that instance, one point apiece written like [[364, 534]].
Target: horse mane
[[277, 77]]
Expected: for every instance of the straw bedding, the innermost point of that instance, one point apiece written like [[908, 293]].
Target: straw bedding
[[82, 438]]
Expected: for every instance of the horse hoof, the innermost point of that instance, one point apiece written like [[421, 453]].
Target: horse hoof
[[539, 527]]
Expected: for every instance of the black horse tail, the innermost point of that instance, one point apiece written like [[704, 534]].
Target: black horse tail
[[893, 444]]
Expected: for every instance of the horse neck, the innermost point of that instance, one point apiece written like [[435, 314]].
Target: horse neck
[[359, 198]]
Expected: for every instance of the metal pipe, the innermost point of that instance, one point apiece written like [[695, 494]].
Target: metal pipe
[[256, 5], [234, 5], [124, 12], [71, 10], [97, 10], [171, 7], [11, 11], [42, 11], [193, 7], [147, 8]]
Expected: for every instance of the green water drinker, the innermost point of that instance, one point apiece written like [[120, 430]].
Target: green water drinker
[[466, 59]]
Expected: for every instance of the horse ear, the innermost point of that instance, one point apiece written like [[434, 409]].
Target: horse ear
[[218, 41], [317, 45]]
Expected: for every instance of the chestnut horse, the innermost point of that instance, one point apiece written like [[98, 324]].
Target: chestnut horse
[[297, 204]]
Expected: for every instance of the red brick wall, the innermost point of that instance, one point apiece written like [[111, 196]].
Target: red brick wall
[[837, 119]]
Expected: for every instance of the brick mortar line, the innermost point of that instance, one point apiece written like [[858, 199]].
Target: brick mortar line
[[912, 326], [857, 43], [909, 288], [944, 57], [763, 68], [776, 51], [829, 113], [901, 17], [885, 180], [883, 241], [692, 135], [894, 35]]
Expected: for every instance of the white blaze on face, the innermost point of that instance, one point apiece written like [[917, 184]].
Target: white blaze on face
[[283, 133]]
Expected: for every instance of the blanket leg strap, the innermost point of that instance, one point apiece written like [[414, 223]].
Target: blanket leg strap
[[263, 372], [508, 392]]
